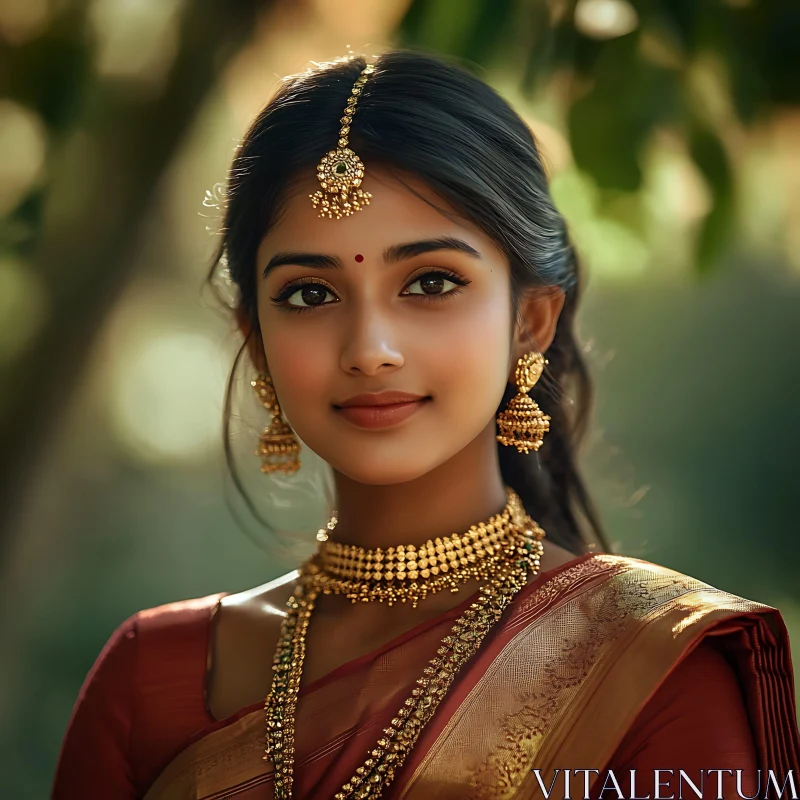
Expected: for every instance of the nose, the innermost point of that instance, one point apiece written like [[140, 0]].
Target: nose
[[370, 344]]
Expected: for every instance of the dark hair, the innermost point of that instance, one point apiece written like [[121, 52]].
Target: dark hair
[[420, 115]]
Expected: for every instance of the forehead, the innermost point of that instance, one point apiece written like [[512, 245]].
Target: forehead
[[401, 209]]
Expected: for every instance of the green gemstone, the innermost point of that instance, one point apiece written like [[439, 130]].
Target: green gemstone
[[340, 168]]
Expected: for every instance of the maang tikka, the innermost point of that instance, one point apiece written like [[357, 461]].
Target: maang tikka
[[522, 423], [341, 171], [277, 445]]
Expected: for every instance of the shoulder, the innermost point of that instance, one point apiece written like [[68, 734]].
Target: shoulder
[[618, 597], [174, 616], [263, 606], [151, 636], [150, 668], [148, 635], [642, 586], [270, 595], [170, 625], [172, 642], [243, 639], [170, 618], [156, 660]]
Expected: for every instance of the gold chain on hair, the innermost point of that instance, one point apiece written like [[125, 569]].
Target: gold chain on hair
[[341, 171]]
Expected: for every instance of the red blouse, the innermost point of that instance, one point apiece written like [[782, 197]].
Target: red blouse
[[145, 699]]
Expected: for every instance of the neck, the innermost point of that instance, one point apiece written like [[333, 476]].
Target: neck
[[464, 490]]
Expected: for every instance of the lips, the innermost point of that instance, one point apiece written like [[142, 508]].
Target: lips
[[380, 410], [380, 399]]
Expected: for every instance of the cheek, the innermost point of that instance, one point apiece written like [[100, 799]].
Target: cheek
[[470, 356], [300, 361]]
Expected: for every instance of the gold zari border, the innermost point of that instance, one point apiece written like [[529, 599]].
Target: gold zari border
[[567, 686]]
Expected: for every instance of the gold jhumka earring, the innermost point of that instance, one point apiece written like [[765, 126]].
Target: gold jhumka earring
[[341, 171], [522, 423], [277, 445]]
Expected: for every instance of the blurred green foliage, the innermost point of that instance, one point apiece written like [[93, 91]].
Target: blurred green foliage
[[618, 91], [109, 143]]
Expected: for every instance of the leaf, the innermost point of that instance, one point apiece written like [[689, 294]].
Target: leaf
[[611, 123]]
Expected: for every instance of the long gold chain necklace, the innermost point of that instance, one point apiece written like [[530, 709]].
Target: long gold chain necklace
[[518, 546]]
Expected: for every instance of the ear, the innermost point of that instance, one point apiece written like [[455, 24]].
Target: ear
[[253, 340], [535, 329]]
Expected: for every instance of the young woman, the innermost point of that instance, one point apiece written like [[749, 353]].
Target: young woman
[[407, 294]]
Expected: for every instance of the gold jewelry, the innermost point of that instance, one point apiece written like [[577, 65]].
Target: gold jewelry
[[277, 444], [409, 573], [522, 423], [521, 553], [341, 171]]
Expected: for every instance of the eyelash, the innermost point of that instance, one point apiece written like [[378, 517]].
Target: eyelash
[[280, 299]]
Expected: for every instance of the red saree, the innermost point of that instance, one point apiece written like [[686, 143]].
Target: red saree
[[606, 663]]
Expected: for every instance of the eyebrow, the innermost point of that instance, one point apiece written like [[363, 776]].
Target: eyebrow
[[400, 252], [391, 255]]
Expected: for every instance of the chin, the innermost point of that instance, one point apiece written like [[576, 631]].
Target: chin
[[385, 465]]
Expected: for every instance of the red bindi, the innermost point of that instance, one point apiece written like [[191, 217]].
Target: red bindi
[[359, 258]]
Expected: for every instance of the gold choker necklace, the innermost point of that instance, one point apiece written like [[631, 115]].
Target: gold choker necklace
[[409, 573]]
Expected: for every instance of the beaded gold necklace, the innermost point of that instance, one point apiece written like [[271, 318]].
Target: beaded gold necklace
[[409, 573], [516, 550]]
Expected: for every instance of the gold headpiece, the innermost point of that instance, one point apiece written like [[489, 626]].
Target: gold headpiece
[[341, 171]]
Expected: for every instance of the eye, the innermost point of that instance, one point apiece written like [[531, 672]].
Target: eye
[[432, 283], [303, 295]]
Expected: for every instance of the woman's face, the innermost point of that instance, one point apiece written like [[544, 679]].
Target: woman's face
[[397, 298]]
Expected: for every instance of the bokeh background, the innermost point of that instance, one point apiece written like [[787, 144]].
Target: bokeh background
[[670, 131]]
